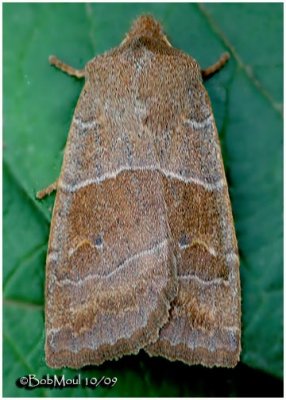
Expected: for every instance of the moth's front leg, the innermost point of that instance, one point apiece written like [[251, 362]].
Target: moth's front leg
[[207, 73], [77, 73], [47, 190]]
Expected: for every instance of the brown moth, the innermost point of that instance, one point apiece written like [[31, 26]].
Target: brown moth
[[142, 250]]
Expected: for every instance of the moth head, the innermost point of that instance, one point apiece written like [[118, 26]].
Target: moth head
[[146, 26]]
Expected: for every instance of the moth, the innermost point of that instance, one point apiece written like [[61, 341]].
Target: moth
[[142, 251]]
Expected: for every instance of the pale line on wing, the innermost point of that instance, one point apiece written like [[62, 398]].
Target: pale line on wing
[[229, 258], [183, 246], [52, 256], [215, 281], [192, 122], [85, 124], [53, 331], [88, 277], [112, 175], [82, 243], [210, 249], [231, 328], [199, 124], [232, 257]]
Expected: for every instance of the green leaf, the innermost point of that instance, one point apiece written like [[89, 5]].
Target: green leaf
[[38, 107]]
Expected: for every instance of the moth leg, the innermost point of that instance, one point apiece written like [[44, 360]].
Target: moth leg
[[78, 73], [216, 67], [47, 191]]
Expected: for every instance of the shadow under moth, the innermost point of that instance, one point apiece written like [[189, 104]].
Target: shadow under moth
[[142, 251]]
